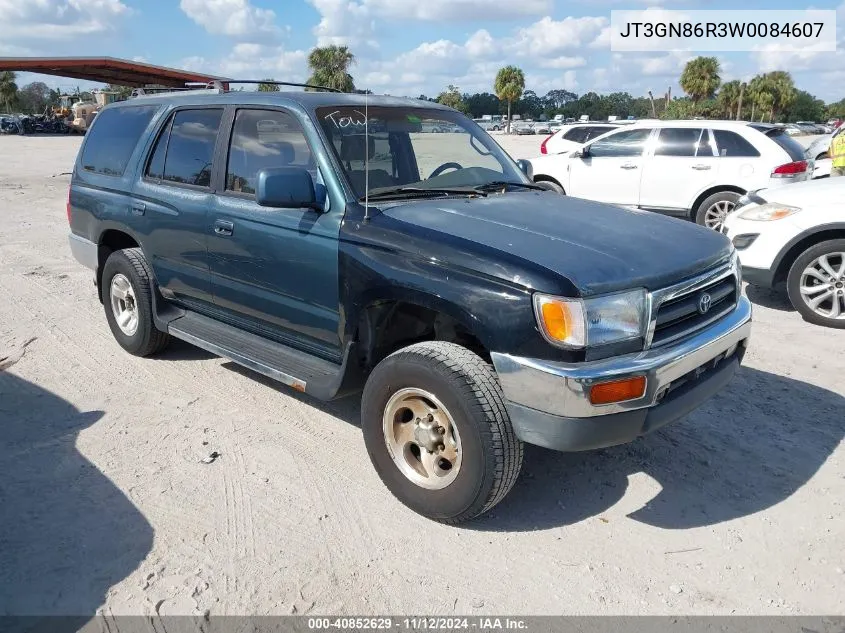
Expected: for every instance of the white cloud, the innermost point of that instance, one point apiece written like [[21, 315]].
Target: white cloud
[[549, 37], [437, 10], [59, 19], [481, 44], [344, 23], [254, 61], [235, 18], [563, 62]]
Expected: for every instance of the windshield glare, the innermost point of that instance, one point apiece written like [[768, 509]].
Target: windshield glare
[[413, 147]]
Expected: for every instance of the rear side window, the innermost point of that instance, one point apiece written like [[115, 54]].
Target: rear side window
[[789, 144], [185, 149], [731, 145], [678, 141], [113, 138], [264, 139]]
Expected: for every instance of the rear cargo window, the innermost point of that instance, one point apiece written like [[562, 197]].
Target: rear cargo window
[[789, 144], [113, 138]]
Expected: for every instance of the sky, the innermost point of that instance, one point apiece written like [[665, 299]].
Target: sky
[[402, 47]]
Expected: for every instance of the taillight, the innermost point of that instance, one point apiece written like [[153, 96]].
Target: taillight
[[790, 169], [543, 149], [68, 205]]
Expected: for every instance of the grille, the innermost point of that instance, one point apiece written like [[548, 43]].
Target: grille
[[680, 317]]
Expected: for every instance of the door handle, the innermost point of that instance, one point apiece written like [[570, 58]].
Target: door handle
[[628, 166], [701, 167], [138, 208], [224, 227]]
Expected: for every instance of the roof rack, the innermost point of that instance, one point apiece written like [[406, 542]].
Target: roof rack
[[142, 93], [219, 84]]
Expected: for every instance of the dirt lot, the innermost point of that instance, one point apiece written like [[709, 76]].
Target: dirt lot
[[737, 509]]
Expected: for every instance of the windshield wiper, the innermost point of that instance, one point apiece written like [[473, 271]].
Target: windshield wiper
[[408, 192], [504, 184]]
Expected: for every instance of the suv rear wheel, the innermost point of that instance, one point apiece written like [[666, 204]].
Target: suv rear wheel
[[437, 431], [714, 209], [127, 296], [816, 284]]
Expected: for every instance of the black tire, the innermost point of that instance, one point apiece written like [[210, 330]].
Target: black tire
[[132, 264], [468, 388], [823, 156], [793, 283], [550, 186], [722, 196]]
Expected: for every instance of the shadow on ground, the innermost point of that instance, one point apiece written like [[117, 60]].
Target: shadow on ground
[[747, 449], [769, 298], [68, 533]]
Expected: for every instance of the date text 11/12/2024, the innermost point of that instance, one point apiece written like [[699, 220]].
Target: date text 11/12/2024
[[417, 623]]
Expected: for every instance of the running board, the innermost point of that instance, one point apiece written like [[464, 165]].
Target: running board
[[291, 367]]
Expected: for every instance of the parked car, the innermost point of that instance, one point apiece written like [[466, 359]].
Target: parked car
[[690, 169], [522, 128], [795, 236], [541, 128], [571, 137], [476, 310], [819, 148]]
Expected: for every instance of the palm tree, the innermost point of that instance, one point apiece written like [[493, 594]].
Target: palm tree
[[742, 88], [8, 89], [330, 68], [700, 78], [729, 96], [783, 91], [510, 82], [756, 87]]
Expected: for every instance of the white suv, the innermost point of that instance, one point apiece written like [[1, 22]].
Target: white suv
[[691, 169], [571, 137]]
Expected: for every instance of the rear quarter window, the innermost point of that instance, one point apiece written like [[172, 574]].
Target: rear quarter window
[[112, 139], [787, 143], [731, 145]]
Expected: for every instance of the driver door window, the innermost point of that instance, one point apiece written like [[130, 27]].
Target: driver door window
[[629, 143], [611, 171]]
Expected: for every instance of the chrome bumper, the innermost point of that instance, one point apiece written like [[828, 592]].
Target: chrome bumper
[[547, 390], [84, 251]]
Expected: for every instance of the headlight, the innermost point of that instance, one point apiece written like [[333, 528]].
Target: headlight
[[768, 212], [579, 323]]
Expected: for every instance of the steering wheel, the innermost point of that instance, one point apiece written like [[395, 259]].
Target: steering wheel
[[444, 167]]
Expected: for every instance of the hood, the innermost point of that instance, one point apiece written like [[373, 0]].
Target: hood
[[599, 248], [810, 193]]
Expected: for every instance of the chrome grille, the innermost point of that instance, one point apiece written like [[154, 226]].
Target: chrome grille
[[686, 308]]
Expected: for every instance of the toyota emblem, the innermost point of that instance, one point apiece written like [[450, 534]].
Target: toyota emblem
[[704, 303]]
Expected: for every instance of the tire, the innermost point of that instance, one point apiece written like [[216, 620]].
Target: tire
[[130, 267], [834, 251], [550, 186], [465, 387], [726, 201], [822, 156]]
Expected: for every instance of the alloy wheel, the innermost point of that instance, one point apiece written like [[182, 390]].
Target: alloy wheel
[[124, 305], [823, 285]]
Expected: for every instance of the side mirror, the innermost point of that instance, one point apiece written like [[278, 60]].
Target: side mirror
[[286, 188], [581, 152], [526, 168]]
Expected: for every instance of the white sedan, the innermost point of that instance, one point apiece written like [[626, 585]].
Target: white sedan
[[796, 236]]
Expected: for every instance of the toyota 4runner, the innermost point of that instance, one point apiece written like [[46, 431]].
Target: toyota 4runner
[[335, 243]]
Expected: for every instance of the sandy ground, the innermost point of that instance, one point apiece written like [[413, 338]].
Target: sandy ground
[[105, 504]]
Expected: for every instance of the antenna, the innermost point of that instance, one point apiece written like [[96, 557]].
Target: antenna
[[366, 155]]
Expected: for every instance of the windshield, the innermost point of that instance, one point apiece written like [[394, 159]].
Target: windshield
[[415, 148]]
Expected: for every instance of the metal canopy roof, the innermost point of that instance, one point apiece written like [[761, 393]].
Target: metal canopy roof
[[106, 70]]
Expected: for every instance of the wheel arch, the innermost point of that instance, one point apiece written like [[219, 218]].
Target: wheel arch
[[800, 243], [709, 192], [110, 240], [547, 178]]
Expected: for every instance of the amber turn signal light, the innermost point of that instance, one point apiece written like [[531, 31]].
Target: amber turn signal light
[[618, 390]]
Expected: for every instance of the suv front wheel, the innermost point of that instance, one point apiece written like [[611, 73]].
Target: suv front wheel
[[816, 284], [127, 289], [437, 431]]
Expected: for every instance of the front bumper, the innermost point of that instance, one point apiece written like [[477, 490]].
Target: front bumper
[[549, 403]]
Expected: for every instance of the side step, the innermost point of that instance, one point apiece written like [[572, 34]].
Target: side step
[[294, 368]]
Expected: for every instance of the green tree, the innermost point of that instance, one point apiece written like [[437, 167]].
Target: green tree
[[8, 89], [756, 88], [268, 87], [700, 78], [728, 97], [34, 98], [805, 107], [330, 68], [836, 110], [680, 108], [510, 82], [453, 99], [123, 92]]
